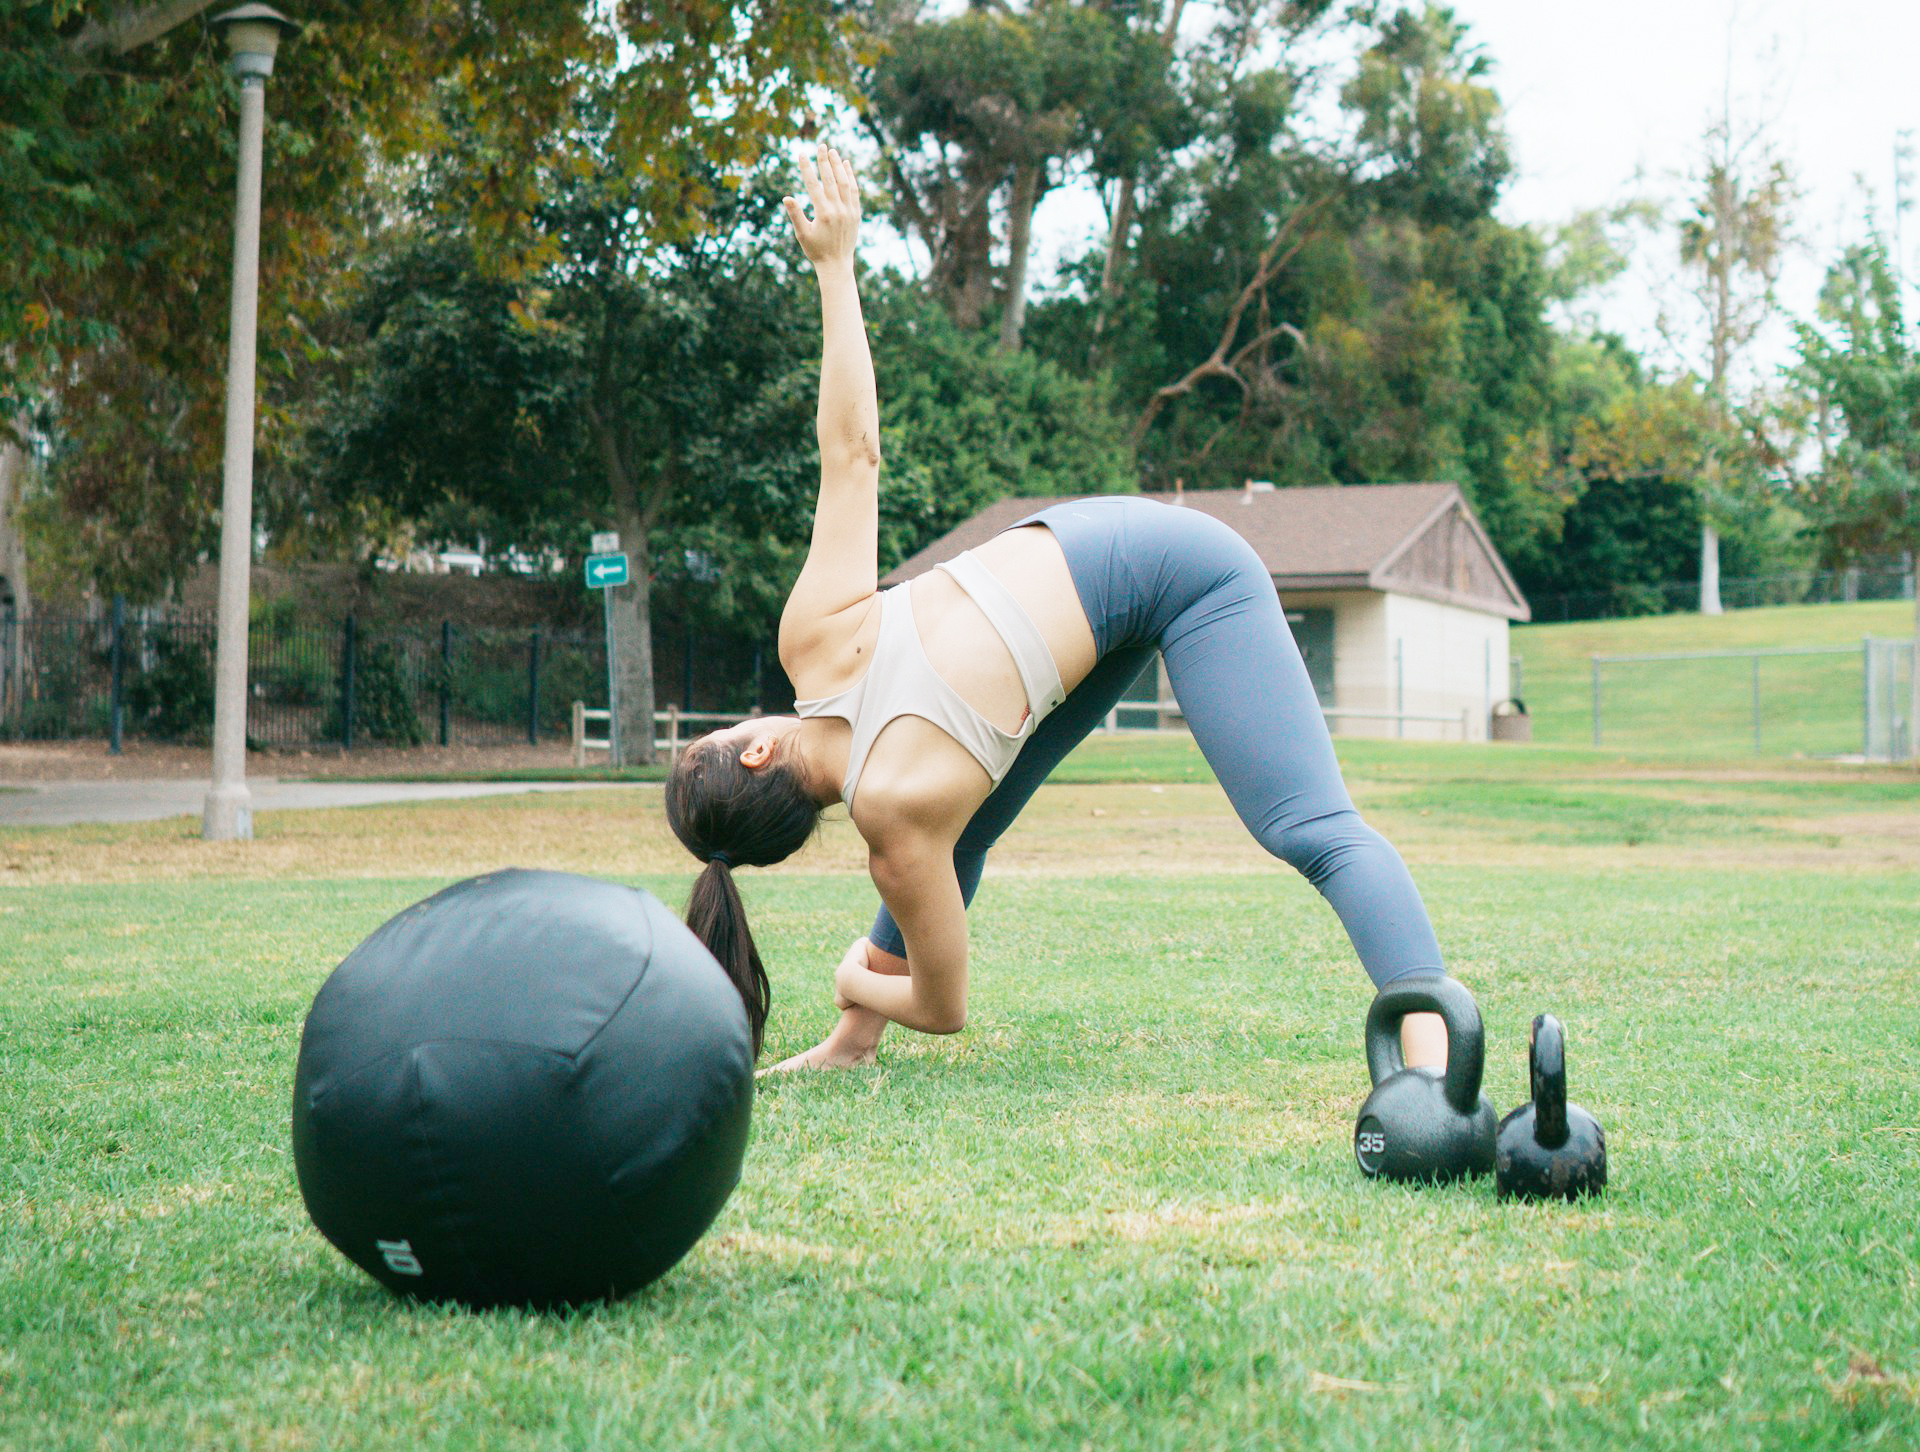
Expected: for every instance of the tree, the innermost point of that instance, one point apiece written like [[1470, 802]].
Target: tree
[[1315, 318], [1732, 245], [467, 405], [599, 390], [528, 130], [1430, 138], [117, 134], [1862, 369], [987, 103]]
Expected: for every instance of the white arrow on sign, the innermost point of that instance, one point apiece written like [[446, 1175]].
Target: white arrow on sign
[[605, 570]]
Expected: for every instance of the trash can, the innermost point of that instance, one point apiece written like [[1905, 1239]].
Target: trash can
[[1511, 722]]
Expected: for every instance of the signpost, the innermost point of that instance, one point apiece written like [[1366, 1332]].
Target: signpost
[[606, 568]]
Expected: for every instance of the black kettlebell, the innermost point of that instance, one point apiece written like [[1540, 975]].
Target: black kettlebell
[[1420, 1124], [1550, 1149]]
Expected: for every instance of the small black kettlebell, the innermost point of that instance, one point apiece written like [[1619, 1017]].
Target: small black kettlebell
[[1550, 1149], [1420, 1124]]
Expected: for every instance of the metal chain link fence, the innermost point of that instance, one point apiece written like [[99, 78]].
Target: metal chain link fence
[[1823, 701]]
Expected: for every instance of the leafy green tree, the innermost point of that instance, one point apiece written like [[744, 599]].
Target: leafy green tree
[[985, 110], [632, 180], [1860, 365], [963, 424], [114, 252], [1430, 139], [1311, 318], [463, 411]]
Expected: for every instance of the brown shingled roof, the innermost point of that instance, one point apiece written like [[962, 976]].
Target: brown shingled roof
[[1355, 536]]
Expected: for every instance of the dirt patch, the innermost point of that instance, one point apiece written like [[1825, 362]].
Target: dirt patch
[[1888, 839], [1068, 831]]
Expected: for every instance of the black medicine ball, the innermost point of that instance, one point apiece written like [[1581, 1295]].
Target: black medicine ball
[[531, 1089]]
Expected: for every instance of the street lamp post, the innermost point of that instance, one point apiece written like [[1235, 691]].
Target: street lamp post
[[253, 34]]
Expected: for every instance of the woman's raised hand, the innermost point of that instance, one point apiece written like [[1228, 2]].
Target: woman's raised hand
[[828, 236]]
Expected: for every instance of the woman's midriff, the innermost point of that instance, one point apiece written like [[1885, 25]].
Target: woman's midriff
[[967, 651]]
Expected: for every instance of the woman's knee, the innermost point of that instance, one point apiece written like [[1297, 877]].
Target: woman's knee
[[1318, 846]]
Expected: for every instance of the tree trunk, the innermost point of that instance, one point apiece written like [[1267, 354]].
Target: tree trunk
[[1110, 268], [968, 279], [13, 544], [1709, 570], [633, 637], [15, 605], [1123, 214], [1026, 196], [631, 604]]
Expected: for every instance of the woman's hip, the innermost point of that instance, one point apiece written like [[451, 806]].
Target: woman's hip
[[1138, 564]]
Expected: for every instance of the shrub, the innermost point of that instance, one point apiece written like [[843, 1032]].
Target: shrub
[[382, 701], [173, 698]]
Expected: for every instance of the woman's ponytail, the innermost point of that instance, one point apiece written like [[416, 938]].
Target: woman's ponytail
[[719, 919], [727, 814]]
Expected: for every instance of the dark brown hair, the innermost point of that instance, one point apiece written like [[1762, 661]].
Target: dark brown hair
[[729, 815]]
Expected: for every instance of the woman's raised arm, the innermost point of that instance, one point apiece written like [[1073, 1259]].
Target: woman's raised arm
[[842, 568]]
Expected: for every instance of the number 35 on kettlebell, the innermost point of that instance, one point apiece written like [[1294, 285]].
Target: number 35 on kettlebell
[[1421, 1124]]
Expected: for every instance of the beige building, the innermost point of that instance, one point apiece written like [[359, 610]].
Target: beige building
[[1399, 601]]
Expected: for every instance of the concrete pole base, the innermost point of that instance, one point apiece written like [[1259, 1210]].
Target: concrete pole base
[[229, 814]]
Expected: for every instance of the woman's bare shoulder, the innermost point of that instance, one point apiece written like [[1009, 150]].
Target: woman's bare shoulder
[[823, 654], [918, 782]]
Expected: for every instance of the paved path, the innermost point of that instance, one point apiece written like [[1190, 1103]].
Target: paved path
[[62, 803]]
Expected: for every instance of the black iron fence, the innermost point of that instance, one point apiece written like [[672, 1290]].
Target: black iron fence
[[1801, 587], [134, 673]]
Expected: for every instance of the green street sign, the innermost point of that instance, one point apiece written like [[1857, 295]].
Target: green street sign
[[606, 571]]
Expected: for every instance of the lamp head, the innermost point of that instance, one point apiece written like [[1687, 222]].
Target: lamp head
[[253, 35]]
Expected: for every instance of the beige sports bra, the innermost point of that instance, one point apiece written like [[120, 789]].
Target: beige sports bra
[[901, 681]]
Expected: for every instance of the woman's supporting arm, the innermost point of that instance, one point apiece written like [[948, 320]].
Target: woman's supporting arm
[[924, 896], [842, 567]]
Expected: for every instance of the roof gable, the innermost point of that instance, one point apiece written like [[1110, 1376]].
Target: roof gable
[[1449, 558]]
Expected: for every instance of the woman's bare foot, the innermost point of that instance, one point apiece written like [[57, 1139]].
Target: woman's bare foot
[[830, 1053], [855, 1040], [853, 1044]]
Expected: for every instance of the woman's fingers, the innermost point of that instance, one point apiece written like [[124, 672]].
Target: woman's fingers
[[802, 229], [824, 160], [815, 187]]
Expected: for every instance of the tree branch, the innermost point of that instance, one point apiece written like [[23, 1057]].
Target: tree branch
[[1218, 364], [134, 25]]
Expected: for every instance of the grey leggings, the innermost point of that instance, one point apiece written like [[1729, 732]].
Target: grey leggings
[[1155, 576]]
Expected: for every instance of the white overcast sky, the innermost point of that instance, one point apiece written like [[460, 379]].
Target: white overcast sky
[[1606, 101]]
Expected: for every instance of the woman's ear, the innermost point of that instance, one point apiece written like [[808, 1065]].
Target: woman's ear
[[760, 750]]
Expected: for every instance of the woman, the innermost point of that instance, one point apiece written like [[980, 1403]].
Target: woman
[[936, 709]]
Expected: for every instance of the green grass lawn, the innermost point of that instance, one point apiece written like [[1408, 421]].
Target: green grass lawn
[[1119, 1211], [1809, 705]]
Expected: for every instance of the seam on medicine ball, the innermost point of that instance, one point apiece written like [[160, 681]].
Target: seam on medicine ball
[[316, 1096], [646, 962], [439, 1195]]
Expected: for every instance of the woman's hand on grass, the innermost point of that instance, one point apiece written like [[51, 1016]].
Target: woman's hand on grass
[[827, 237]]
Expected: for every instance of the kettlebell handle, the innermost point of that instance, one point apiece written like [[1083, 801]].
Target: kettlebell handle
[[1547, 1063], [1466, 1044]]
